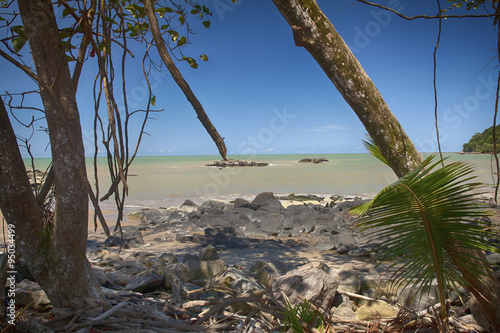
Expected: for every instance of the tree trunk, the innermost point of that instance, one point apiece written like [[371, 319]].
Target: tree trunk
[[313, 31], [179, 79], [55, 251]]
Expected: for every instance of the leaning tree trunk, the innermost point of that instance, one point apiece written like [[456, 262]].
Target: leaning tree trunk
[[55, 251], [181, 82], [313, 31]]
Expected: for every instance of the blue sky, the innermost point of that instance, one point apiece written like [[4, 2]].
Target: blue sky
[[265, 95]]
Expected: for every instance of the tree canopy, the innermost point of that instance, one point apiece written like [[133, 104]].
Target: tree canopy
[[482, 142]]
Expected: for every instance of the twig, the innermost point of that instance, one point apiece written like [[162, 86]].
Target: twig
[[110, 311]]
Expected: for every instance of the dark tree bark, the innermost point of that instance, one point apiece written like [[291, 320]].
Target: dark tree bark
[[179, 79], [54, 250], [313, 31]]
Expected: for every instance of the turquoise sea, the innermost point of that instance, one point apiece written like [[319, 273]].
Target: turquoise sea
[[169, 180]]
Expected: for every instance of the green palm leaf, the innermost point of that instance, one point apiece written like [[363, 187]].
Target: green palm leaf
[[424, 214]]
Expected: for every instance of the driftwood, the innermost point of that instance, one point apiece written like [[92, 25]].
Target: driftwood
[[162, 312]]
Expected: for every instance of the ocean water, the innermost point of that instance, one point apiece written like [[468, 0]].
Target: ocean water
[[169, 180]]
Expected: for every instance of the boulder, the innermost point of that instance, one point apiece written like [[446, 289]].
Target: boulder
[[132, 238], [311, 283], [214, 205], [188, 206], [268, 202], [349, 277], [375, 309], [413, 298], [145, 283], [168, 258], [210, 263], [28, 291]]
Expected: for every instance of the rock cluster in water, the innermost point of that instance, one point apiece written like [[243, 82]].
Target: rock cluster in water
[[313, 160], [236, 163]]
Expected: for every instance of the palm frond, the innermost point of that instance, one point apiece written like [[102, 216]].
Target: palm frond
[[372, 147], [424, 213]]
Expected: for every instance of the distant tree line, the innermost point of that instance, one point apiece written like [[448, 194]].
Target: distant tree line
[[482, 142]]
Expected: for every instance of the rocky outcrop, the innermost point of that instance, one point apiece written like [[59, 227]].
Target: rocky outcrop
[[236, 163], [313, 160]]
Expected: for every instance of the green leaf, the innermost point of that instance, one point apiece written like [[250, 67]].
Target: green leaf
[[427, 222], [2, 19], [195, 11], [67, 12], [174, 34], [19, 30], [153, 100], [204, 57], [65, 33], [18, 43], [182, 41], [206, 10], [182, 19], [191, 62], [372, 147], [164, 27], [69, 58], [206, 24]]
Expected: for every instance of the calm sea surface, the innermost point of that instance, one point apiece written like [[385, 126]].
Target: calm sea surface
[[168, 181]]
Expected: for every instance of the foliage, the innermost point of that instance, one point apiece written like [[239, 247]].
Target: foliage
[[423, 218], [302, 312], [482, 142]]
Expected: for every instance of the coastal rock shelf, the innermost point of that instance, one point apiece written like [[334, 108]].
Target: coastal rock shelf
[[228, 256], [236, 163], [314, 160]]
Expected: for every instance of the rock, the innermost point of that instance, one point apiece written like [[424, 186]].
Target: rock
[[493, 258], [113, 241], [272, 224], [267, 274], [349, 277], [412, 298], [119, 278], [32, 326], [28, 291], [107, 258], [242, 203], [313, 160], [238, 281], [101, 277], [188, 206], [236, 163], [208, 253], [311, 283], [210, 263], [375, 309], [168, 258], [142, 255], [324, 243], [345, 312], [214, 205], [132, 238], [145, 283], [266, 201]]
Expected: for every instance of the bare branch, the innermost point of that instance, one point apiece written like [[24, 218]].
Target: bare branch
[[409, 18]]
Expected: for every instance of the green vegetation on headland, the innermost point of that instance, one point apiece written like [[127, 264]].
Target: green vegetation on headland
[[482, 142]]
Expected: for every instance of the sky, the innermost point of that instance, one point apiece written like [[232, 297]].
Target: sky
[[267, 96]]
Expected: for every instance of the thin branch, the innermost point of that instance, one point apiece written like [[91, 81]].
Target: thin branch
[[435, 85], [409, 18]]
